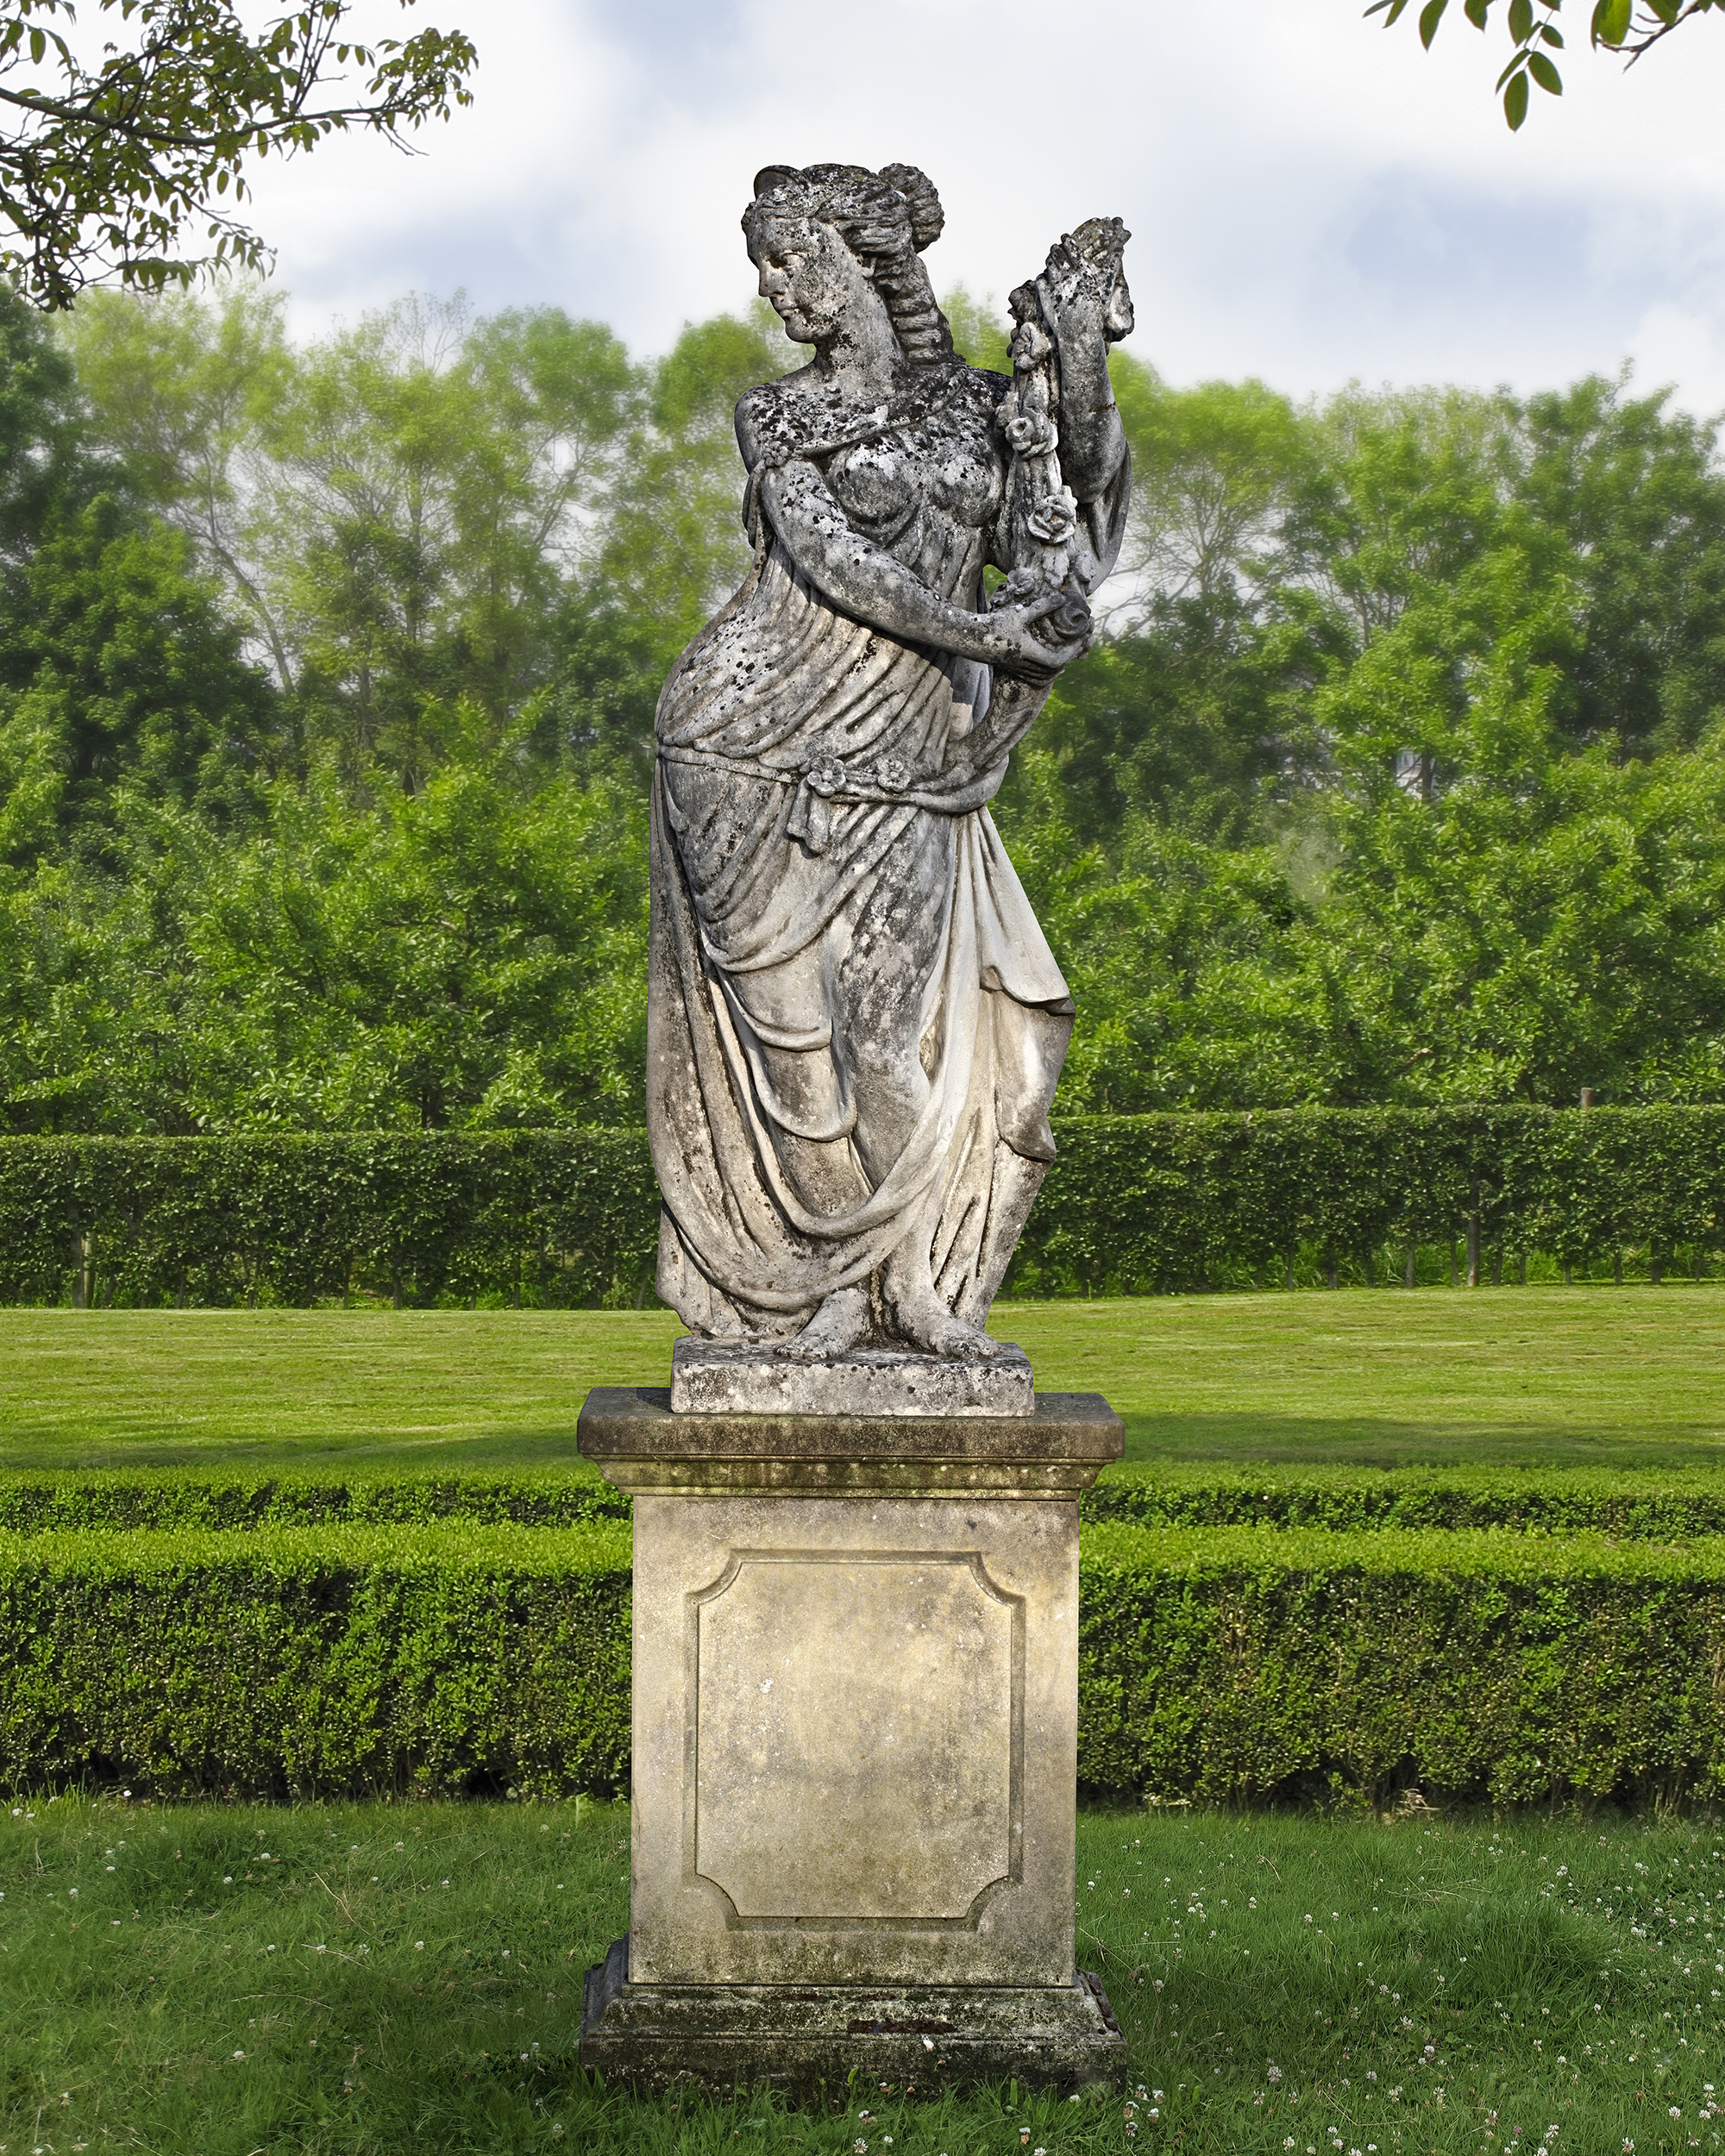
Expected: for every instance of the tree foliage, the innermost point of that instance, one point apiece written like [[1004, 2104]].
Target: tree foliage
[[327, 680], [107, 165], [1629, 27]]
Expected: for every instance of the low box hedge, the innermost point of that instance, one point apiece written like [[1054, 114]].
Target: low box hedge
[[440, 1660], [1248, 1665], [1621, 1503], [1616, 1502], [1223, 1664], [160, 1499]]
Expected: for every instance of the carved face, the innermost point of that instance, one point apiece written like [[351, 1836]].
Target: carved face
[[807, 275]]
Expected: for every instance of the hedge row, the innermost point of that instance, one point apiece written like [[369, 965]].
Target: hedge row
[[1147, 1204], [565, 1218], [167, 1499], [290, 1664], [1240, 1665], [1564, 1501], [1227, 1664], [1133, 1204]]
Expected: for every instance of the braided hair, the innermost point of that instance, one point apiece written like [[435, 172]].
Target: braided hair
[[886, 219]]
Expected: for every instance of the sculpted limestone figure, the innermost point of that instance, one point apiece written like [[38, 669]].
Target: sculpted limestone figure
[[856, 1025]]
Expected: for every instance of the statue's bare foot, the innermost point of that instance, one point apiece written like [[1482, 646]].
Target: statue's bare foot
[[925, 1323], [840, 1325]]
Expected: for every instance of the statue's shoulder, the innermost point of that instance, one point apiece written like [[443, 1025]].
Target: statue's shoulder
[[780, 420], [985, 385]]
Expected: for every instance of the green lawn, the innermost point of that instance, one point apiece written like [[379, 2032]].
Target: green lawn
[[1543, 1375], [241, 1982]]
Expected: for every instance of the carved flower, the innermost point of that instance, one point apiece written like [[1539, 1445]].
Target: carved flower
[[1031, 345], [1053, 521], [893, 774], [826, 775], [1031, 434]]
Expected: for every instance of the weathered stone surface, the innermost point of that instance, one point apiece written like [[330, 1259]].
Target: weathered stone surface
[[930, 2036], [630, 1433], [855, 1740], [718, 1378], [855, 1024], [809, 1667]]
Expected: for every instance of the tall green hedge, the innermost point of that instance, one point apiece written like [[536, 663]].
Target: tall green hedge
[[1146, 1203], [568, 1218], [1134, 1204]]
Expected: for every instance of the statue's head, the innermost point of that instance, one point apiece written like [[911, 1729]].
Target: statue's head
[[811, 231]]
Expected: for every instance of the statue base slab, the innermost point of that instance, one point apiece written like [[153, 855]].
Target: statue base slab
[[916, 2037], [756, 1378]]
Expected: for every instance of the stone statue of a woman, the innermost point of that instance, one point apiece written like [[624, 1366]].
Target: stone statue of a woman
[[855, 1022]]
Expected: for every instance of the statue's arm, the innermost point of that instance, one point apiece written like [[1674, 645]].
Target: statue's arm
[[1092, 442], [862, 579], [857, 575]]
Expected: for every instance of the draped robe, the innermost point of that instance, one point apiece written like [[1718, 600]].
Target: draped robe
[[826, 878]]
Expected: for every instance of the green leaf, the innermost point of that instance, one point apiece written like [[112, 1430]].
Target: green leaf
[[1430, 16], [1515, 100], [1477, 12], [1544, 74], [1611, 22], [1521, 20], [1551, 37]]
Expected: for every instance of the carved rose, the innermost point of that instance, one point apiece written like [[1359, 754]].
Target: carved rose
[[892, 773], [1053, 521], [1030, 434], [826, 775], [1030, 346]]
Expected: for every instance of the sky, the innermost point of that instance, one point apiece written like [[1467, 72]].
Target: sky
[[1313, 200]]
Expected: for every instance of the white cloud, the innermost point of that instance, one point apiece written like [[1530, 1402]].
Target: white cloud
[[1312, 199]]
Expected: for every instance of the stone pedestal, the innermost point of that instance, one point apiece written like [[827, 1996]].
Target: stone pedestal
[[855, 1670]]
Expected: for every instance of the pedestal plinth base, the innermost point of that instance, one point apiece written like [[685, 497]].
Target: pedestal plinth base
[[800, 2038]]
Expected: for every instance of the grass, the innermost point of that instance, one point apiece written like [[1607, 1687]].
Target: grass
[[386, 1978], [1431, 1376]]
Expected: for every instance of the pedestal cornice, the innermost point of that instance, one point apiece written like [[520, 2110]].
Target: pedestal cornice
[[638, 1444]]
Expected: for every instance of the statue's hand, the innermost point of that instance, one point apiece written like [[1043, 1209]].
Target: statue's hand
[[1073, 305], [1032, 641]]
